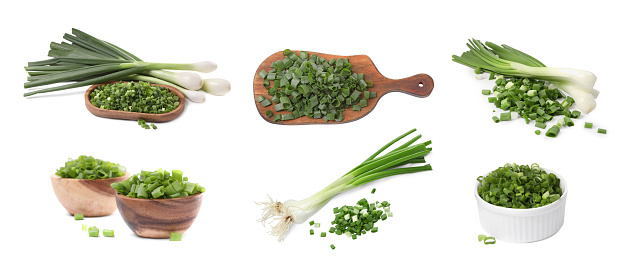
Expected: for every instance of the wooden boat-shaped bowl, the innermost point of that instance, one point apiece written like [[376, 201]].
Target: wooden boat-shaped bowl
[[157, 218], [88, 197], [116, 114]]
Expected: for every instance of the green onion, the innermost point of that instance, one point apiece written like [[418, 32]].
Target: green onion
[[538, 132], [93, 231], [486, 91], [311, 231], [508, 61], [601, 131], [86, 60], [138, 97], [373, 190], [314, 87], [481, 237], [359, 219], [332, 246], [519, 187], [588, 125], [159, 184], [489, 240], [553, 131], [108, 233], [78, 216], [87, 167], [83, 227], [175, 236], [323, 234], [400, 160]]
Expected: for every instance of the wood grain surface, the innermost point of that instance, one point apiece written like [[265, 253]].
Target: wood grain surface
[[157, 218], [419, 85], [116, 114], [88, 197]]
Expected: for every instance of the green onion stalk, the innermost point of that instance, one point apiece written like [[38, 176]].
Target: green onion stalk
[[407, 158], [508, 61], [87, 60]]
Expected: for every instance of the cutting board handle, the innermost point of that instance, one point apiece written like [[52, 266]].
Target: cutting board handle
[[419, 85]]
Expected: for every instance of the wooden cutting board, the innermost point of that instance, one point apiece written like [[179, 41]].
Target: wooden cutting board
[[419, 85]]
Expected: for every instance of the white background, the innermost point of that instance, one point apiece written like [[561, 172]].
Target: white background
[[224, 144]]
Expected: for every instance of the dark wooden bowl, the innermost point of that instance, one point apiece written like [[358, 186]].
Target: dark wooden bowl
[[419, 85], [116, 114], [157, 218], [88, 197]]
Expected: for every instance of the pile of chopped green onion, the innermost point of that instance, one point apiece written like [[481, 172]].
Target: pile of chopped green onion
[[354, 221], [520, 187], [309, 85], [159, 184], [141, 97], [533, 100], [87, 167]]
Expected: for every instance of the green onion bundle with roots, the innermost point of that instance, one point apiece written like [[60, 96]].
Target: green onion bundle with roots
[[508, 61], [407, 158], [85, 60]]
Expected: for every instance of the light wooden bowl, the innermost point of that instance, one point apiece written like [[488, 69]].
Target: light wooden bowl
[[88, 197], [116, 114], [157, 218]]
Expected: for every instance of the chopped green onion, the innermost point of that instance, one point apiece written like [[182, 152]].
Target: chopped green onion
[[519, 187], [83, 227], [540, 125], [311, 231], [538, 132], [159, 184], [87, 167], [601, 131], [93, 231], [553, 131], [323, 234], [495, 119], [489, 240], [314, 87], [481, 237], [78, 216], [373, 190], [486, 91], [175, 236], [108, 233], [332, 246], [588, 125]]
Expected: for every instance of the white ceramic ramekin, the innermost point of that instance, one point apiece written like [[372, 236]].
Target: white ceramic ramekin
[[522, 225]]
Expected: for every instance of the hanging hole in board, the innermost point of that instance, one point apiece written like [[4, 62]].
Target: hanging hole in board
[[421, 84]]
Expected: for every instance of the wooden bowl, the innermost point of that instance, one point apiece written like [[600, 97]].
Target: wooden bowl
[[88, 197], [157, 218], [116, 114]]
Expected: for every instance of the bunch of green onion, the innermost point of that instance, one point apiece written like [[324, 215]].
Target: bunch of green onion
[[85, 60], [400, 160], [508, 61]]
